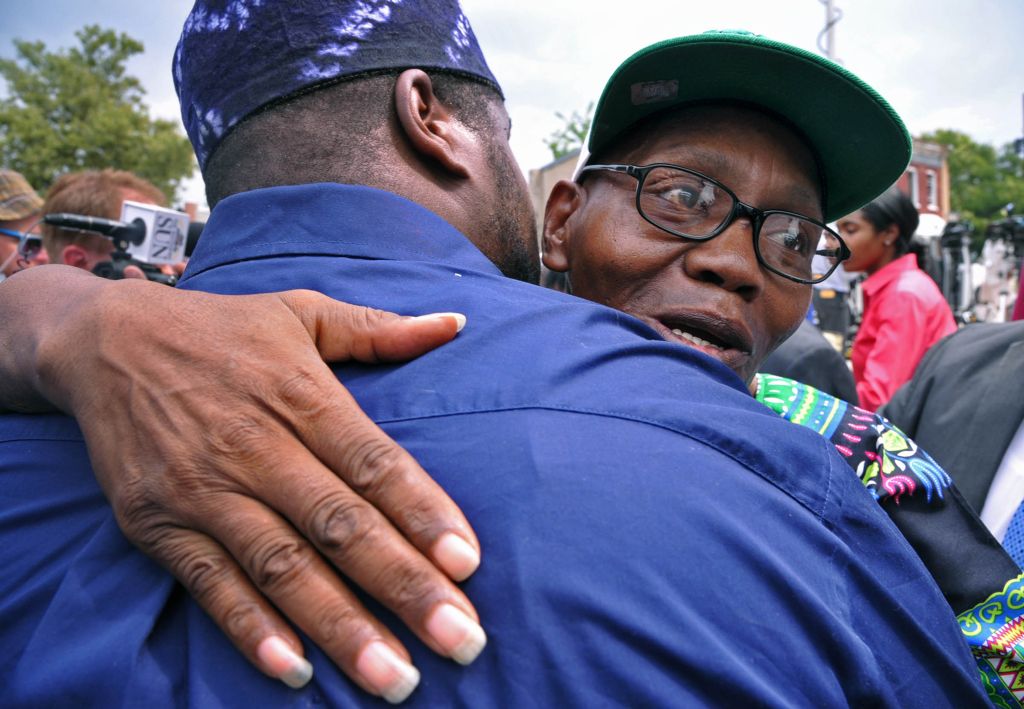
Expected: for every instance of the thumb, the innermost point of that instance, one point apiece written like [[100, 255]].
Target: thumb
[[134, 272], [342, 331]]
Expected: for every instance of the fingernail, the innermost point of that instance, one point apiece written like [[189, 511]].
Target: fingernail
[[460, 319], [457, 633], [456, 556], [284, 663], [384, 669]]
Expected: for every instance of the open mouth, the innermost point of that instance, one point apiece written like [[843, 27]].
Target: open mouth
[[699, 341], [721, 339], [708, 332]]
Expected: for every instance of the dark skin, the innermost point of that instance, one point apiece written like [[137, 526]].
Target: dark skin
[[713, 289], [240, 540], [870, 248], [232, 545]]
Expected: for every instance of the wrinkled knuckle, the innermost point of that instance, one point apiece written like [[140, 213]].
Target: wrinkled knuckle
[[337, 624], [278, 561], [137, 511], [376, 464], [204, 575], [239, 438], [243, 619], [408, 587], [420, 516], [366, 319], [302, 392], [342, 527]]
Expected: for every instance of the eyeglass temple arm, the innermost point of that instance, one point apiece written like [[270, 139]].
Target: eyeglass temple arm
[[628, 169]]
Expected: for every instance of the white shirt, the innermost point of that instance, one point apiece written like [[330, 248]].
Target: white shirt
[[1007, 490]]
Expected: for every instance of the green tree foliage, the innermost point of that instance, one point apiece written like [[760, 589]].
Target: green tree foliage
[[982, 179], [77, 109], [571, 135]]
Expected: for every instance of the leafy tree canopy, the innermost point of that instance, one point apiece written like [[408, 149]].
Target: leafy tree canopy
[[572, 134], [982, 179], [77, 109]]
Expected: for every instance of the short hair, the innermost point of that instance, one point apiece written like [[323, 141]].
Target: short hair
[[331, 133], [893, 207], [94, 193]]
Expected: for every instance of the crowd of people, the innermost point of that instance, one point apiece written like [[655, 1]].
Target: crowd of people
[[663, 487], [85, 193]]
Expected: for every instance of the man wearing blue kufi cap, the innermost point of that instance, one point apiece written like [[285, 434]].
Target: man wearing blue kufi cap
[[653, 536]]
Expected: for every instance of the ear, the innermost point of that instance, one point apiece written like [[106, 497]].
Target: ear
[[565, 200], [74, 255], [428, 124], [890, 235]]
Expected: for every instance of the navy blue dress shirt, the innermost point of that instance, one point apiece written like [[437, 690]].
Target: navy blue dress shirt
[[652, 536]]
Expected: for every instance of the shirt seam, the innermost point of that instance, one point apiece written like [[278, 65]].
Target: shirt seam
[[819, 514], [40, 439]]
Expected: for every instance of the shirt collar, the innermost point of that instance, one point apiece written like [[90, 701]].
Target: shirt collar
[[888, 273], [330, 220]]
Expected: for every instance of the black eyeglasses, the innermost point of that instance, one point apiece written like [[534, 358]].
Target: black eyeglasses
[[694, 206], [29, 245]]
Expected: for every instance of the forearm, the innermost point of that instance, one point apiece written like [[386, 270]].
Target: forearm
[[36, 305]]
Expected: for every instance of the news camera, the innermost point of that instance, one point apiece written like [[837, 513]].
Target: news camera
[[146, 237], [1010, 230], [956, 266], [955, 231]]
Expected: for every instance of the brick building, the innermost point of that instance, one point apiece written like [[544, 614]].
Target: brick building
[[926, 180]]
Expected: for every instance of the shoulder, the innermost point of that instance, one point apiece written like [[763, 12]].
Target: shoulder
[[916, 286], [977, 345]]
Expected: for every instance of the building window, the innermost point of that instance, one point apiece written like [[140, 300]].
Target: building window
[[915, 191], [932, 187]]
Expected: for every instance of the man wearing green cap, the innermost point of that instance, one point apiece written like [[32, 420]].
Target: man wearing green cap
[[654, 537]]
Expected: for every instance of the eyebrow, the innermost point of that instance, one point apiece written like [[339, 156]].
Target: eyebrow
[[714, 161]]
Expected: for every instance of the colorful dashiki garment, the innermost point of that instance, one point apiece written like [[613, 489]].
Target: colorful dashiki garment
[[994, 629], [891, 465], [886, 460]]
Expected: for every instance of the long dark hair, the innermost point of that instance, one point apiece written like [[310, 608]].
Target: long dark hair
[[893, 207]]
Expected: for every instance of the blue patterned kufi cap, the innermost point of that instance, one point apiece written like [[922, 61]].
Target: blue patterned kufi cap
[[235, 56]]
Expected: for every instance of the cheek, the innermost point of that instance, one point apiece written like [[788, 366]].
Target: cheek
[[783, 310], [620, 270], [864, 244], [605, 274]]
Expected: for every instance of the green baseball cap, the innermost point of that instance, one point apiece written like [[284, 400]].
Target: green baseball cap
[[859, 141]]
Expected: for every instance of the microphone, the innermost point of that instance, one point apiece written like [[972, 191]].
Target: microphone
[[146, 233], [165, 233], [133, 233], [195, 230]]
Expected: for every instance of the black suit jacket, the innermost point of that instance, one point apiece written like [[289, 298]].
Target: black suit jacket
[[966, 402], [808, 357], [963, 405]]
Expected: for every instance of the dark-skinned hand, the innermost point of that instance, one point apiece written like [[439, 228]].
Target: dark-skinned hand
[[232, 455]]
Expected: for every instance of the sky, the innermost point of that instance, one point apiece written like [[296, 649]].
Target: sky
[[941, 64]]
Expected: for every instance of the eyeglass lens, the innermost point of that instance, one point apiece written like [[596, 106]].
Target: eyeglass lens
[[29, 245], [690, 205]]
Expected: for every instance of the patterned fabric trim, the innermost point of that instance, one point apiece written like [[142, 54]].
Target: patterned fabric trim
[[886, 460], [801, 404], [890, 465], [995, 632]]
